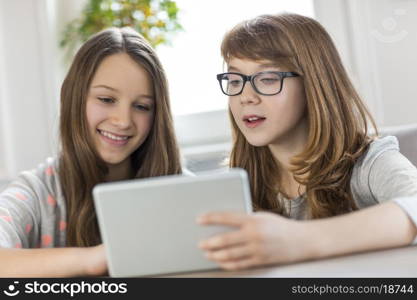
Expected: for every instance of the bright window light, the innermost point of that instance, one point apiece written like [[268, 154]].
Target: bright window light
[[193, 59]]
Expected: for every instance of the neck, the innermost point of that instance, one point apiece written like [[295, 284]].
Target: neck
[[289, 145], [283, 150], [121, 171]]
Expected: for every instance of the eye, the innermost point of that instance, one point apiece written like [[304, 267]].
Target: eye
[[270, 80], [235, 82], [106, 99], [267, 78], [141, 107]]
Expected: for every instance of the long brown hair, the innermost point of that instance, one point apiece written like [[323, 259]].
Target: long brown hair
[[337, 118], [80, 167]]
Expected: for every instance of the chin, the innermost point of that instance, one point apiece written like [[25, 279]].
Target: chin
[[257, 142], [113, 160]]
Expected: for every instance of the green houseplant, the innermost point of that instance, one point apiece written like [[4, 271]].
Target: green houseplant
[[156, 20]]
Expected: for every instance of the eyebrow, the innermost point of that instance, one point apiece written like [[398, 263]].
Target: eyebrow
[[231, 68], [116, 90], [266, 65], [106, 87]]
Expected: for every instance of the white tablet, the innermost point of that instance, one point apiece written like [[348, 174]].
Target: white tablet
[[149, 227]]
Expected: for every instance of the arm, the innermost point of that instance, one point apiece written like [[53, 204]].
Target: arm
[[53, 262], [265, 238], [20, 227], [27, 216], [377, 227]]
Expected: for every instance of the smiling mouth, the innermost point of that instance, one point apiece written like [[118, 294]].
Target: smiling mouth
[[113, 136]]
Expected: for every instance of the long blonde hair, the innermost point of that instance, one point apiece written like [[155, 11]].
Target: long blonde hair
[[337, 118], [80, 167]]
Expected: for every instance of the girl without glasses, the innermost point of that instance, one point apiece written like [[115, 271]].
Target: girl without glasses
[[301, 132], [115, 124]]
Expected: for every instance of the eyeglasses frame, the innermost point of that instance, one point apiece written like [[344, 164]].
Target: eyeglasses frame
[[250, 78]]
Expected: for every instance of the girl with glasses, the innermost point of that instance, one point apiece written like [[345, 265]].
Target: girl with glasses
[[302, 133], [115, 124]]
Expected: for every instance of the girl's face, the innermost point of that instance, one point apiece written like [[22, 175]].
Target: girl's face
[[120, 108], [268, 120]]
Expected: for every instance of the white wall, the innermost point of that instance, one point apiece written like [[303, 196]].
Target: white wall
[[2, 96], [378, 42], [394, 38], [28, 98], [31, 74]]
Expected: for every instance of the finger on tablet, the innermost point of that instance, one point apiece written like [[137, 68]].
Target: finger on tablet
[[223, 240], [222, 218]]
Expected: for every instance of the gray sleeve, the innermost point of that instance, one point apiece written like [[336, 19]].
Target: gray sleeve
[[394, 177], [19, 215]]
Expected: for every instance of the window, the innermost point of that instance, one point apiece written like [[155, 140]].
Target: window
[[193, 59]]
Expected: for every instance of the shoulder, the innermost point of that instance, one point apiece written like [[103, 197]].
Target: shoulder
[[379, 152], [384, 154], [45, 174], [376, 149], [34, 202], [383, 173], [39, 183]]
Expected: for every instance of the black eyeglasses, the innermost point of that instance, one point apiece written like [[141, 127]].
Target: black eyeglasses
[[267, 83]]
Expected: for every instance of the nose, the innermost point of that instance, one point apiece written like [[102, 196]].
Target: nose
[[249, 95], [121, 117]]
